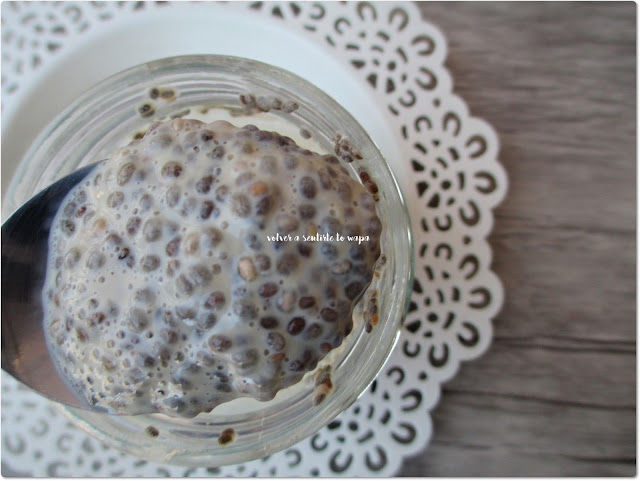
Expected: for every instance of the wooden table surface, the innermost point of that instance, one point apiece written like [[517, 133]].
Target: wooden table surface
[[556, 392]]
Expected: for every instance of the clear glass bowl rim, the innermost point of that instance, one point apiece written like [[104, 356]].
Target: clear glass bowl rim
[[51, 137]]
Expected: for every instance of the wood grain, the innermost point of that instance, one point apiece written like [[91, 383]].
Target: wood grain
[[556, 393]]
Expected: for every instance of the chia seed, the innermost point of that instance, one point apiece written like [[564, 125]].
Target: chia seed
[[152, 229], [115, 199], [290, 162], [263, 205], [138, 319], [244, 178], [275, 341], [206, 135], [184, 285], [308, 187], [216, 300], [313, 331], [173, 246], [307, 211], [247, 99], [304, 249], [204, 184], [219, 343], [287, 263], [357, 252], [226, 437], [96, 260], [296, 326], [373, 226], [149, 263], [133, 225], [269, 322], [206, 209], [147, 109], [245, 359], [329, 251], [172, 197], [306, 302], [328, 314], [268, 289], [286, 223], [218, 152], [252, 241], [341, 267], [240, 205], [268, 164], [304, 133], [207, 320], [171, 169], [244, 309], [353, 290], [263, 262]]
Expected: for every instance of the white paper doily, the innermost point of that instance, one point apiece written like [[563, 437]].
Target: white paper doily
[[446, 162]]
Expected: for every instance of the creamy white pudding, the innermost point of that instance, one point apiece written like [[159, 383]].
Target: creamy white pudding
[[205, 262]]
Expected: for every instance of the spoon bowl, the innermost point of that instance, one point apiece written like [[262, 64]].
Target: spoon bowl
[[25, 239]]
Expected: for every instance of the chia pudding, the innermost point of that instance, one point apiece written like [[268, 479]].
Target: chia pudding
[[202, 263]]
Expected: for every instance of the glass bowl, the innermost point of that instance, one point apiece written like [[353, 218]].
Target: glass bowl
[[209, 87]]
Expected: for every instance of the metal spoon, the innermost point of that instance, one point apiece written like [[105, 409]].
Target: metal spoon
[[24, 258]]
